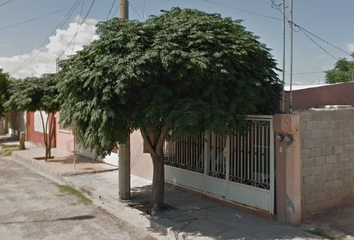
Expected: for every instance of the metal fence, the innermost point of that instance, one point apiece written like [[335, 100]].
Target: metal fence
[[186, 153], [243, 159], [250, 155]]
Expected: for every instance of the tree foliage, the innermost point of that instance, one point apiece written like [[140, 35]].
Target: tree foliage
[[4, 90], [174, 75], [37, 94], [342, 71]]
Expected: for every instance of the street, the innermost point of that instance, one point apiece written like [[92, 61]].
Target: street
[[33, 207]]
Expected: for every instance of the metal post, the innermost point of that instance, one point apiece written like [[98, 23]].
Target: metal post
[[283, 94], [291, 58]]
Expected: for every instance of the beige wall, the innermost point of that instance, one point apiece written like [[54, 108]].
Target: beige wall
[[327, 158], [140, 163]]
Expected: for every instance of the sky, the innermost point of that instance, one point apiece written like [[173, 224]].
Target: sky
[[33, 34]]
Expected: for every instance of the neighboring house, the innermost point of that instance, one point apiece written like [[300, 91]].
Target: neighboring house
[[238, 170], [287, 166], [312, 96], [13, 123], [64, 138], [35, 128]]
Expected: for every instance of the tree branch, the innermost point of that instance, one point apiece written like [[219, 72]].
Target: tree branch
[[161, 141], [147, 141], [44, 126]]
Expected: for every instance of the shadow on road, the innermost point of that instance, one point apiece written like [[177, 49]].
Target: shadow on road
[[82, 217]]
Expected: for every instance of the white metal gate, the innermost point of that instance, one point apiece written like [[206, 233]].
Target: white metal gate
[[238, 169]]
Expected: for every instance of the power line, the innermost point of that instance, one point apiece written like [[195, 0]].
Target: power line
[[306, 33], [77, 31], [318, 44], [135, 11], [38, 51], [242, 10], [115, 12], [33, 19], [326, 42], [304, 73], [78, 24], [5, 3], [110, 10]]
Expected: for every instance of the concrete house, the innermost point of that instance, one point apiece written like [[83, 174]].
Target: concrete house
[[286, 166]]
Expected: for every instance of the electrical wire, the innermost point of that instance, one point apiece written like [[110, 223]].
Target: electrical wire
[[77, 31], [318, 44], [5, 3], [39, 50], [115, 12], [135, 11], [303, 29], [242, 10], [304, 73], [307, 33], [33, 19], [110, 10], [78, 24]]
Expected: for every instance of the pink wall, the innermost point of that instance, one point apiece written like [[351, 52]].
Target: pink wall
[[64, 138], [333, 94], [34, 136]]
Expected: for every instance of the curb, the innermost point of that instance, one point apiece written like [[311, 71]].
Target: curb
[[39, 168], [121, 209]]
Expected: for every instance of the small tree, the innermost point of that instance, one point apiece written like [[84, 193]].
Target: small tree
[[172, 76], [37, 94], [342, 71], [4, 90]]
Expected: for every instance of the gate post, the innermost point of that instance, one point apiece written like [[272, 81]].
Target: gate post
[[288, 166]]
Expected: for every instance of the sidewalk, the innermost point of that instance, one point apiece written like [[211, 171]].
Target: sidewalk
[[191, 218]]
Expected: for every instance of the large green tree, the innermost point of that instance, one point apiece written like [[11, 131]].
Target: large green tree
[[4, 90], [174, 75], [342, 71], [37, 94]]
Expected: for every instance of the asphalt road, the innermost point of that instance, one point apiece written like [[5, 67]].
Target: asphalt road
[[33, 207]]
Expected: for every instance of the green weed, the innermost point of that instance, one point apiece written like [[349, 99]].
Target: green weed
[[73, 191], [324, 235]]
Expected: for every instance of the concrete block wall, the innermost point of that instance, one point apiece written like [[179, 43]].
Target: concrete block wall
[[327, 158]]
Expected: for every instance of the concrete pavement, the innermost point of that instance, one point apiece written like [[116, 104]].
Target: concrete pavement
[[191, 218], [32, 207]]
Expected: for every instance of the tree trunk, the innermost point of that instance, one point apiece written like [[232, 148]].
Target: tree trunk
[[158, 184]]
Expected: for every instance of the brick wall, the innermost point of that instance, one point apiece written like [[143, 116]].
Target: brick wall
[[327, 158]]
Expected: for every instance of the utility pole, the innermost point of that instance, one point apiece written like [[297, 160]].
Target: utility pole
[[124, 149], [283, 73], [124, 9], [291, 56]]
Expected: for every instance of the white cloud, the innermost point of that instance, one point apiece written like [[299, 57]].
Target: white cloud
[[350, 47], [58, 46]]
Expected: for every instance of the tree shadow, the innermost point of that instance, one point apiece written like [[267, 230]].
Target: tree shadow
[[75, 218]]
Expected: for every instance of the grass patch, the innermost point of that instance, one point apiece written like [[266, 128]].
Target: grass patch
[[73, 191], [324, 235], [5, 146], [8, 152]]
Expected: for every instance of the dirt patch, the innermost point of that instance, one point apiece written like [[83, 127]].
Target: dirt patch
[[336, 222]]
